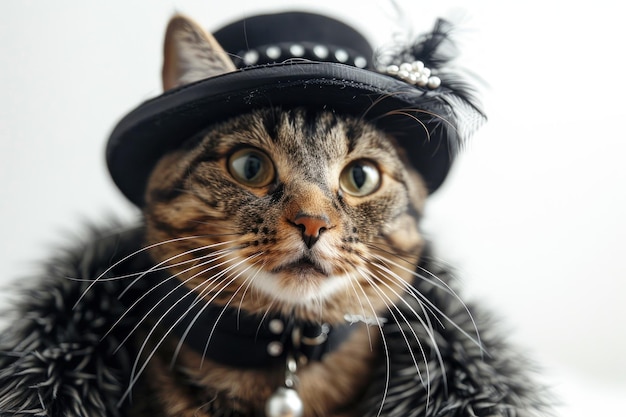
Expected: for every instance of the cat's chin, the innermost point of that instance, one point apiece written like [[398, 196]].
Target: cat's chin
[[299, 285]]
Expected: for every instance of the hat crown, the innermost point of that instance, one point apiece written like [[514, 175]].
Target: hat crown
[[270, 38]]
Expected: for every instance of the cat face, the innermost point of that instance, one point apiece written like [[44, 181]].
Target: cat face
[[290, 210]]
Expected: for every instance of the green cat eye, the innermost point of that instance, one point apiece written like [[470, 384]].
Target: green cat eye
[[251, 167], [360, 178]]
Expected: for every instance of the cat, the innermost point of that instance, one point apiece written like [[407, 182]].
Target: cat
[[298, 226], [308, 205]]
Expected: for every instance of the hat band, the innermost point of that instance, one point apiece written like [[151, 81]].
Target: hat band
[[285, 51]]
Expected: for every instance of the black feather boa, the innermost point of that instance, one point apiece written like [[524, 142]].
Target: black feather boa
[[56, 361]]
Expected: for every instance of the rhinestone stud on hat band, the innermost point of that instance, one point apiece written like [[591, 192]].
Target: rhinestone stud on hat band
[[306, 50]]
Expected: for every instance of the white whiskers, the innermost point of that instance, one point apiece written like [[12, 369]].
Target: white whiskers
[[382, 274], [216, 256], [439, 283], [208, 302], [385, 350], [128, 257], [135, 372]]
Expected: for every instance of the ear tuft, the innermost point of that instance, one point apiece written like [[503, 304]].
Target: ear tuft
[[191, 54]]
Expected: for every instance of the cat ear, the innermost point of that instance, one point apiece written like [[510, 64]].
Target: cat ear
[[191, 54]]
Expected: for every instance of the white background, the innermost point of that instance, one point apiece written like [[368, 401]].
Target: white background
[[532, 214]]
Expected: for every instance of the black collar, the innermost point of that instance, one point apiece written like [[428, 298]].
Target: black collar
[[233, 337]]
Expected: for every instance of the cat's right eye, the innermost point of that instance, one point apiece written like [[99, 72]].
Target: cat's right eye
[[251, 167]]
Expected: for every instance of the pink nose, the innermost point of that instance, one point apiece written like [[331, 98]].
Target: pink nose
[[312, 227]]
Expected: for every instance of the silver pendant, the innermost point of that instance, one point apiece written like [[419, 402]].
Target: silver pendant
[[285, 402]]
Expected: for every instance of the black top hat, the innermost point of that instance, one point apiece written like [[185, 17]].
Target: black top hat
[[301, 59]]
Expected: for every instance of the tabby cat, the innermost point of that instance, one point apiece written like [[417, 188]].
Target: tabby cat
[[299, 213]]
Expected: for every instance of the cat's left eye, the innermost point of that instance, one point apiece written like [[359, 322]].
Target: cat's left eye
[[251, 167], [360, 178]]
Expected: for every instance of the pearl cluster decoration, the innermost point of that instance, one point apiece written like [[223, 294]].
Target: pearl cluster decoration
[[305, 50], [415, 73]]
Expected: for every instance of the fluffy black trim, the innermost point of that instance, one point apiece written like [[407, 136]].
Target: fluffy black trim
[[53, 358], [469, 369], [56, 361]]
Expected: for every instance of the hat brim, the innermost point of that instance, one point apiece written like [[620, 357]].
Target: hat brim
[[421, 120]]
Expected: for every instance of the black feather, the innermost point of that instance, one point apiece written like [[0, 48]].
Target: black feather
[[456, 96], [435, 48]]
